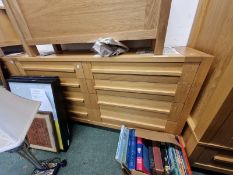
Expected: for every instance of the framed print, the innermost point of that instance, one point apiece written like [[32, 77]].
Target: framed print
[[41, 134]]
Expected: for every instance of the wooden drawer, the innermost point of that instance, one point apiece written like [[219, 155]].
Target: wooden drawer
[[146, 95], [137, 87], [167, 69], [163, 72], [77, 109], [220, 132], [211, 158], [137, 118]]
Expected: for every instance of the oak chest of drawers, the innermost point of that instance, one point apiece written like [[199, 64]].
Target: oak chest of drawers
[[144, 91]]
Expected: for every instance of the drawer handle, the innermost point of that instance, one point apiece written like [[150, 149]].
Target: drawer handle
[[223, 159]]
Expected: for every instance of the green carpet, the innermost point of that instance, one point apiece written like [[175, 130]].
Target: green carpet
[[92, 152]]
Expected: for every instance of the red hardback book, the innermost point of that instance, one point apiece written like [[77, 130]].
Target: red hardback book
[[142, 162], [157, 159]]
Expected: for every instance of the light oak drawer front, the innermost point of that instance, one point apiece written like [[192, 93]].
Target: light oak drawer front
[[224, 159], [220, 159], [50, 66], [167, 69], [77, 109], [145, 72], [146, 95], [167, 73], [133, 118], [136, 95], [134, 103], [137, 87], [136, 78]]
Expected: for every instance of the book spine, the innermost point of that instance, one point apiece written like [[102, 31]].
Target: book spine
[[132, 151], [129, 148], [168, 159], [184, 156], [122, 145], [164, 158], [158, 159], [183, 162], [171, 160], [179, 160], [125, 146], [145, 159], [176, 169], [139, 161], [151, 158]]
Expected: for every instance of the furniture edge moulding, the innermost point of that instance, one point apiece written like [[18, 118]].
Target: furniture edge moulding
[[185, 55], [206, 61]]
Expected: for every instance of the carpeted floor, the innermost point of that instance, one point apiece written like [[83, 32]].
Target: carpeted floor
[[92, 152]]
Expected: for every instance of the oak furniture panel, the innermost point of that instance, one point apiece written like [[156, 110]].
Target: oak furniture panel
[[209, 133], [49, 22]]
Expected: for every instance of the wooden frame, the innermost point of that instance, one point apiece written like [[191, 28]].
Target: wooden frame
[[208, 135], [151, 92], [141, 19], [8, 36]]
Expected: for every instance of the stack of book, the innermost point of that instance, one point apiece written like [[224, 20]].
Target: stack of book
[[151, 157]]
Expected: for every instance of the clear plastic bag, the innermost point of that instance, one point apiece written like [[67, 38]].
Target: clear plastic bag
[[107, 47]]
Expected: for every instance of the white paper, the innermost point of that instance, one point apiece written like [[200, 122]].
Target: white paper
[[40, 95]]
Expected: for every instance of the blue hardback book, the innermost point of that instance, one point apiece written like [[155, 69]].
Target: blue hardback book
[[132, 147], [145, 155]]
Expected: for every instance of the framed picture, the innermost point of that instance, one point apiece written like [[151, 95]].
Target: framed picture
[[2, 79], [47, 90], [41, 134]]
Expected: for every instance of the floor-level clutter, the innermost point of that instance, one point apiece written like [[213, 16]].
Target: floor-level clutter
[[92, 151]]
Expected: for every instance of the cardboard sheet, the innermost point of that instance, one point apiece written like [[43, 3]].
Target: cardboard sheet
[[156, 136], [16, 116]]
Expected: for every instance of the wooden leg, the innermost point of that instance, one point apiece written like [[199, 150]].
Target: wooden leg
[[165, 6]]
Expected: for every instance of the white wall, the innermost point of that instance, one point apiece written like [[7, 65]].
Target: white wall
[[179, 25], [180, 22]]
